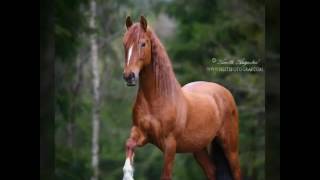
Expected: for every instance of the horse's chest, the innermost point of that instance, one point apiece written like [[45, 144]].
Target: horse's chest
[[150, 126], [146, 122], [155, 125]]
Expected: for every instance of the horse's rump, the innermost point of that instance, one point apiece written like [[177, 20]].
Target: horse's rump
[[222, 96]]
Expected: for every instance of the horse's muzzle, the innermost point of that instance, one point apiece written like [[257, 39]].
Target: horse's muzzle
[[130, 79]]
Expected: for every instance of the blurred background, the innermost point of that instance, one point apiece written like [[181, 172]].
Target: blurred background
[[93, 104]]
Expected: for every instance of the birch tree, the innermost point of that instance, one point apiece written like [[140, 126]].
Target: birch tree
[[96, 95]]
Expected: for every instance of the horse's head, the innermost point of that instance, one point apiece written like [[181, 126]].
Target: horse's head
[[137, 46]]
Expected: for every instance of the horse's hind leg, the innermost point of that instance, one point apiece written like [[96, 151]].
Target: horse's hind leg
[[206, 164], [228, 138], [234, 163]]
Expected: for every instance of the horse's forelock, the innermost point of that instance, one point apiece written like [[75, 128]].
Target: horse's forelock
[[132, 34]]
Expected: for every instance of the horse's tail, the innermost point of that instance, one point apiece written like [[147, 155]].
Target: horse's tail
[[223, 171]]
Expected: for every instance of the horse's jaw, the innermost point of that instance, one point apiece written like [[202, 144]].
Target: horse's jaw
[[127, 170]]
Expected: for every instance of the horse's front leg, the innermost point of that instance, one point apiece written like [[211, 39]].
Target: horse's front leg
[[169, 155], [136, 138]]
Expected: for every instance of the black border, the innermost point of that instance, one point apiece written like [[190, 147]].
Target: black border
[[46, 89], [272, 90]]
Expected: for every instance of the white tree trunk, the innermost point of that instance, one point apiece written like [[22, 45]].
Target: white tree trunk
[[96, 95]]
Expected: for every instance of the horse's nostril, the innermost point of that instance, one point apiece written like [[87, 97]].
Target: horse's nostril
[[131, 75]]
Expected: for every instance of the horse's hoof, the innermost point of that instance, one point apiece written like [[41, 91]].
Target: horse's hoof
[[128, 170], [127, 178]]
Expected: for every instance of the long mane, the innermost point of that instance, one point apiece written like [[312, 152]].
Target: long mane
[[166, 81]]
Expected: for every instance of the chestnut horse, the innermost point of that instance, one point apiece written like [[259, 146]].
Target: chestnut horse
[[190, 119]]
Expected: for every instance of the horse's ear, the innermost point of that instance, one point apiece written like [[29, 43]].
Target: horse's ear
[[128, 22], [143, 23]]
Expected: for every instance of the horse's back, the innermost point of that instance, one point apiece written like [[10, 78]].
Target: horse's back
[[204, 87], [220, 94]]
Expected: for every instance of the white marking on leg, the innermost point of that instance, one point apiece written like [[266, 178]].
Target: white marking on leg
[[127, 170], [129, 54]]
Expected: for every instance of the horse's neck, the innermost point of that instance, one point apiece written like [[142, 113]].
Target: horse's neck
[[155, 90], [157, 97], [147, 88], [159, 91], [157, 80]]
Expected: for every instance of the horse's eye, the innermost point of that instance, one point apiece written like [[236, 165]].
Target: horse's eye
[[143, 44]]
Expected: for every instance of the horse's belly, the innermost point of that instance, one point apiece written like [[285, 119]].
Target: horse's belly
[[202, 125], [196, 137], [193, 142]]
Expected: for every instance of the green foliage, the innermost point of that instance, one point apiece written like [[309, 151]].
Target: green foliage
[[70, 165], [69, 22]]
